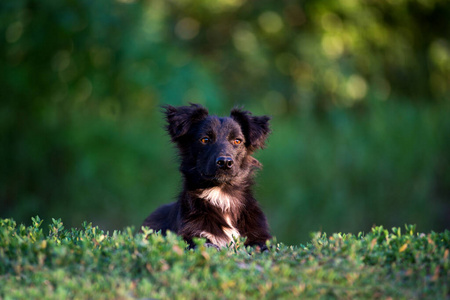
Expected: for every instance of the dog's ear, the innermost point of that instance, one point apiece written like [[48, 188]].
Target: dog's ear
[[255, 129], [180, 119]]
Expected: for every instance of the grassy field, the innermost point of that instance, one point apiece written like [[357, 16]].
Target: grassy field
[[87, 263]]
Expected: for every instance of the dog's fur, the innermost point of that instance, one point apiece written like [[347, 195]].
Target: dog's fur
[[216, 201]]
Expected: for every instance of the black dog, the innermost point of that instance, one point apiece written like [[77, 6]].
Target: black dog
[[216, 201]]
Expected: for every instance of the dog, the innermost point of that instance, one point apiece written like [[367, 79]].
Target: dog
[[216, 201]]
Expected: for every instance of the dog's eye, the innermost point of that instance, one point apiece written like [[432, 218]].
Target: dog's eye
[[204, 140], [237, 141]]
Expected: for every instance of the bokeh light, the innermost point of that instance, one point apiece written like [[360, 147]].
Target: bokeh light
[[358, 92]]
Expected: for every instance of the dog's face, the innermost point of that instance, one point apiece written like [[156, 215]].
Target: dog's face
[[215, 150]]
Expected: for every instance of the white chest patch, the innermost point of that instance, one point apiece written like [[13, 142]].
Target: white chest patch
[[230, 232], [217, 198], [222, 200]]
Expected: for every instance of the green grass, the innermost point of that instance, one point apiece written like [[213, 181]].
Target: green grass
[[89, 263]]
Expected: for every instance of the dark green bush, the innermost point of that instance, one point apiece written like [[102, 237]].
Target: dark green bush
[[91, 263]]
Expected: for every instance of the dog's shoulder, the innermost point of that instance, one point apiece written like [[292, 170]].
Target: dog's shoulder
[[166, 217]]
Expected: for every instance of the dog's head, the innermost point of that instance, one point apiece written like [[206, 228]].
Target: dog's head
[[216, 150]]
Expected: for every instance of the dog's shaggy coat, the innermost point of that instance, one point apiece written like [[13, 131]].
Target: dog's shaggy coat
[[216, 201]]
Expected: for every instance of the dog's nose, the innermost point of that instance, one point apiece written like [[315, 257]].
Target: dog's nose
[[224, 162]]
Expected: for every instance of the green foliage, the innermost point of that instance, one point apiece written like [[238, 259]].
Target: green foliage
[[358, 91], [89, 263]]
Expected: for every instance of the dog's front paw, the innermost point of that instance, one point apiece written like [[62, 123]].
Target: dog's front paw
[[212, 246], [264, 249]]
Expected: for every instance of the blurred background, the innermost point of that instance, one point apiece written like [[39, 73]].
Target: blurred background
[[359, 92]]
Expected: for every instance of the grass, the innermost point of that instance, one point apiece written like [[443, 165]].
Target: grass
[[88, 263]]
